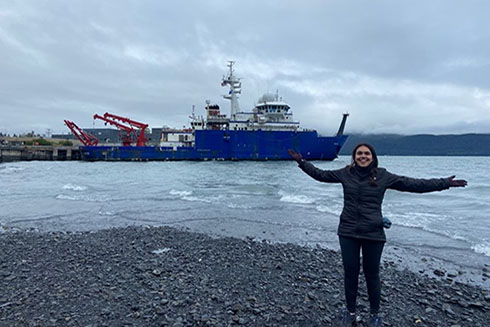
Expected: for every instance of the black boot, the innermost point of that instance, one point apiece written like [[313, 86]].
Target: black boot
[[345, 319], [375, 321]]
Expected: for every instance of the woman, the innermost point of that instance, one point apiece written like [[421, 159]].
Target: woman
[[361, 221]]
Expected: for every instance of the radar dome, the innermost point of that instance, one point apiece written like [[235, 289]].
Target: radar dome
[[267, 97]]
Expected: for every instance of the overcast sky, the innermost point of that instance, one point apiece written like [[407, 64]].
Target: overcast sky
[[407, 67]]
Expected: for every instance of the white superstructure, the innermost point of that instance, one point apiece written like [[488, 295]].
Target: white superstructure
[[270, 113]]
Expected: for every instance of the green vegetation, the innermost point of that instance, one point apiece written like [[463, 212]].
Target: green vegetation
[[65, 143], [38, 141], [422, 145]]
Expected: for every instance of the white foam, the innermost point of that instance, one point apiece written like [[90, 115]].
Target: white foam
[[301, 199], [238, 206], [188, 196], [106, 213], [80, 197], [74, 187], [326, 209], [68, 197], [482, 248], [195, 198], [180, 193], [160, 251]]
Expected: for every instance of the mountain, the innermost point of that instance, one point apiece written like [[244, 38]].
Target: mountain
[[422, 145]]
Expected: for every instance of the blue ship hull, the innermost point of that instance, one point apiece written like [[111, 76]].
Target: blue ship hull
[[228, 145]]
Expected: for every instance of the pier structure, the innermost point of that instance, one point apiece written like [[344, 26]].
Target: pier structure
[[38, 152]]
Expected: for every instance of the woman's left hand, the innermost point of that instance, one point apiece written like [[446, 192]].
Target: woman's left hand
[[456, 182], [295, 155]]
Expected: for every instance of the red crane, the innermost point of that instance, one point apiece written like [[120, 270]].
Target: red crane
[[84, 137], [128, 130]]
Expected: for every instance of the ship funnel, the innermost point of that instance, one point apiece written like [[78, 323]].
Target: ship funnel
[[342, 124]]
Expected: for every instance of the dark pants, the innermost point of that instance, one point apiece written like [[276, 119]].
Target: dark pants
[[371, 257]]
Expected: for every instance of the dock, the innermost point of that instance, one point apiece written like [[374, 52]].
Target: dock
[[38, 152]]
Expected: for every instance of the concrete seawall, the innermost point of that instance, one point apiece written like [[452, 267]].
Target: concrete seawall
[[38, 152]]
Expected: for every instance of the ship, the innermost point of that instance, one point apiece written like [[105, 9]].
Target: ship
[[264, 133]]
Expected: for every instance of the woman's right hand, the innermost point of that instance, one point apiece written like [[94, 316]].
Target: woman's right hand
[[456, 182], [295, 155]]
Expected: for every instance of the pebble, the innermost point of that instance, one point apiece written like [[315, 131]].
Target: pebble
[[114, 278]]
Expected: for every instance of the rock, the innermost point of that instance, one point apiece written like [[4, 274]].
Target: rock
[[206, 282], [10, 277], [237, 308], [310, 296], [450, 311], [438, 272], [252, 299], [477, 304]]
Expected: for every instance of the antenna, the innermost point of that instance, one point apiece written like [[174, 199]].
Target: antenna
[[235, 89]]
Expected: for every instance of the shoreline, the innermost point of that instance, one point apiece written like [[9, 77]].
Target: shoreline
[[401, 257], [155, 276]]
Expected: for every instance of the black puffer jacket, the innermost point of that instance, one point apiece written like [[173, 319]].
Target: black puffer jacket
[[361, 216]]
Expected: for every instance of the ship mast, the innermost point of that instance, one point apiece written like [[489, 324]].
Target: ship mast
[[235, 89]]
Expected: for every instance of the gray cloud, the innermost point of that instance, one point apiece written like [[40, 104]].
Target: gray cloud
[[396, 66]]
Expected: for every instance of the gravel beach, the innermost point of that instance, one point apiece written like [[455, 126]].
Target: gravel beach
[[161, 276]]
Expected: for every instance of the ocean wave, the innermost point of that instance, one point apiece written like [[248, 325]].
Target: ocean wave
[[197, 199], [189, 196], [425, 227], [73, 187], [68, 197], [238, 206], [483, 248], [180, 193], [255, 189], [81, 197], [107, 213], [37, 219], [298, 198], [326, 209], [10, 169]]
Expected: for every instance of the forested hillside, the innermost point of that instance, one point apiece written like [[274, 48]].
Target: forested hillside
[[424, 144]]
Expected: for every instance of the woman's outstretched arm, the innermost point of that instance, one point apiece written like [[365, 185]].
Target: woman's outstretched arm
[[421, 185], [327, 176]]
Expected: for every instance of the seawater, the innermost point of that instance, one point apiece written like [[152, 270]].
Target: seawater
[[275, 201]]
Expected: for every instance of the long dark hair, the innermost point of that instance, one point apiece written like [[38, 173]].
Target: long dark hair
[[372, 166]]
